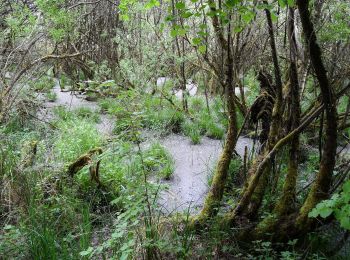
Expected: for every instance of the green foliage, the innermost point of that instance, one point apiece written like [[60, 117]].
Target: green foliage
[[81, 113], [158, 159], [12, 242], [59, 21], [337, 205], [20, 22], [211, 128], [192, 130], [285, 3], [161, 116], [44, 84], [75, 138], [87, 113], [338, 29], [51, 96]]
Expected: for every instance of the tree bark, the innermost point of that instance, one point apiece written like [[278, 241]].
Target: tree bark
[[216, 192], [320, 188], [286, 204]]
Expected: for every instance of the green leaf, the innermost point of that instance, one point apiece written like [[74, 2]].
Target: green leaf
[[202, 49], [282, 3], [196, 41], [173, 32], [231, 3], [325, 212], [178, 31], [151, 4], [87, 252], [186, 14], [182, 32], [345, 222], [274, 17], [203, 26], [180, 5], [238, 29], [346, 187], [169, 18], [248, 16], [291, 3], [313, 213]]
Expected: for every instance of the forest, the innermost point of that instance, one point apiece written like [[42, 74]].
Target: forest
[[174, 129]]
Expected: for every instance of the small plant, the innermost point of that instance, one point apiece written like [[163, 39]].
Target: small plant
[[87, 113], [51, 96], [44, 84], [337, 205], [196, 104], [192, 130], [214, 131], [63, 114], [75, 138], [159, 160], [111, 106], [263, 249]]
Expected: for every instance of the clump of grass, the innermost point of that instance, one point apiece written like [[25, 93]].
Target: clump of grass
[[75, 137], [209, 127], [51, 96], [62, 113], [158, 159], [214, 131], [87, 113], [111, 106], [47, 238], [127, 129], [44, 84], [196, 104], [164, 119], [192, 130]]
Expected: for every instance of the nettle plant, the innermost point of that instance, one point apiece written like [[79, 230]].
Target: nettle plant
[[338, 204]]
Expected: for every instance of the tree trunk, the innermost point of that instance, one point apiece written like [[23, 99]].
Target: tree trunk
[[286, 204], [219, 180], [320, 188]]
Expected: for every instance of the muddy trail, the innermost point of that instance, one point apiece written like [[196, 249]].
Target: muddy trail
[[194, 164]]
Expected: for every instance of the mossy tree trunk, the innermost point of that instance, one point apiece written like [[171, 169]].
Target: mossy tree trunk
[[286, 203], [252, 196], [216, 192], [289, 223], [320, 188]]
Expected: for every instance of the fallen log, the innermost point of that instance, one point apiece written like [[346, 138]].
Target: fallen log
[[84, 160]]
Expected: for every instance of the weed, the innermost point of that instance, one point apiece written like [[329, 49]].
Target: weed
[[51, 96], [44, 84], [75, 138], [87, 113], [192, 130], [158, 159]]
